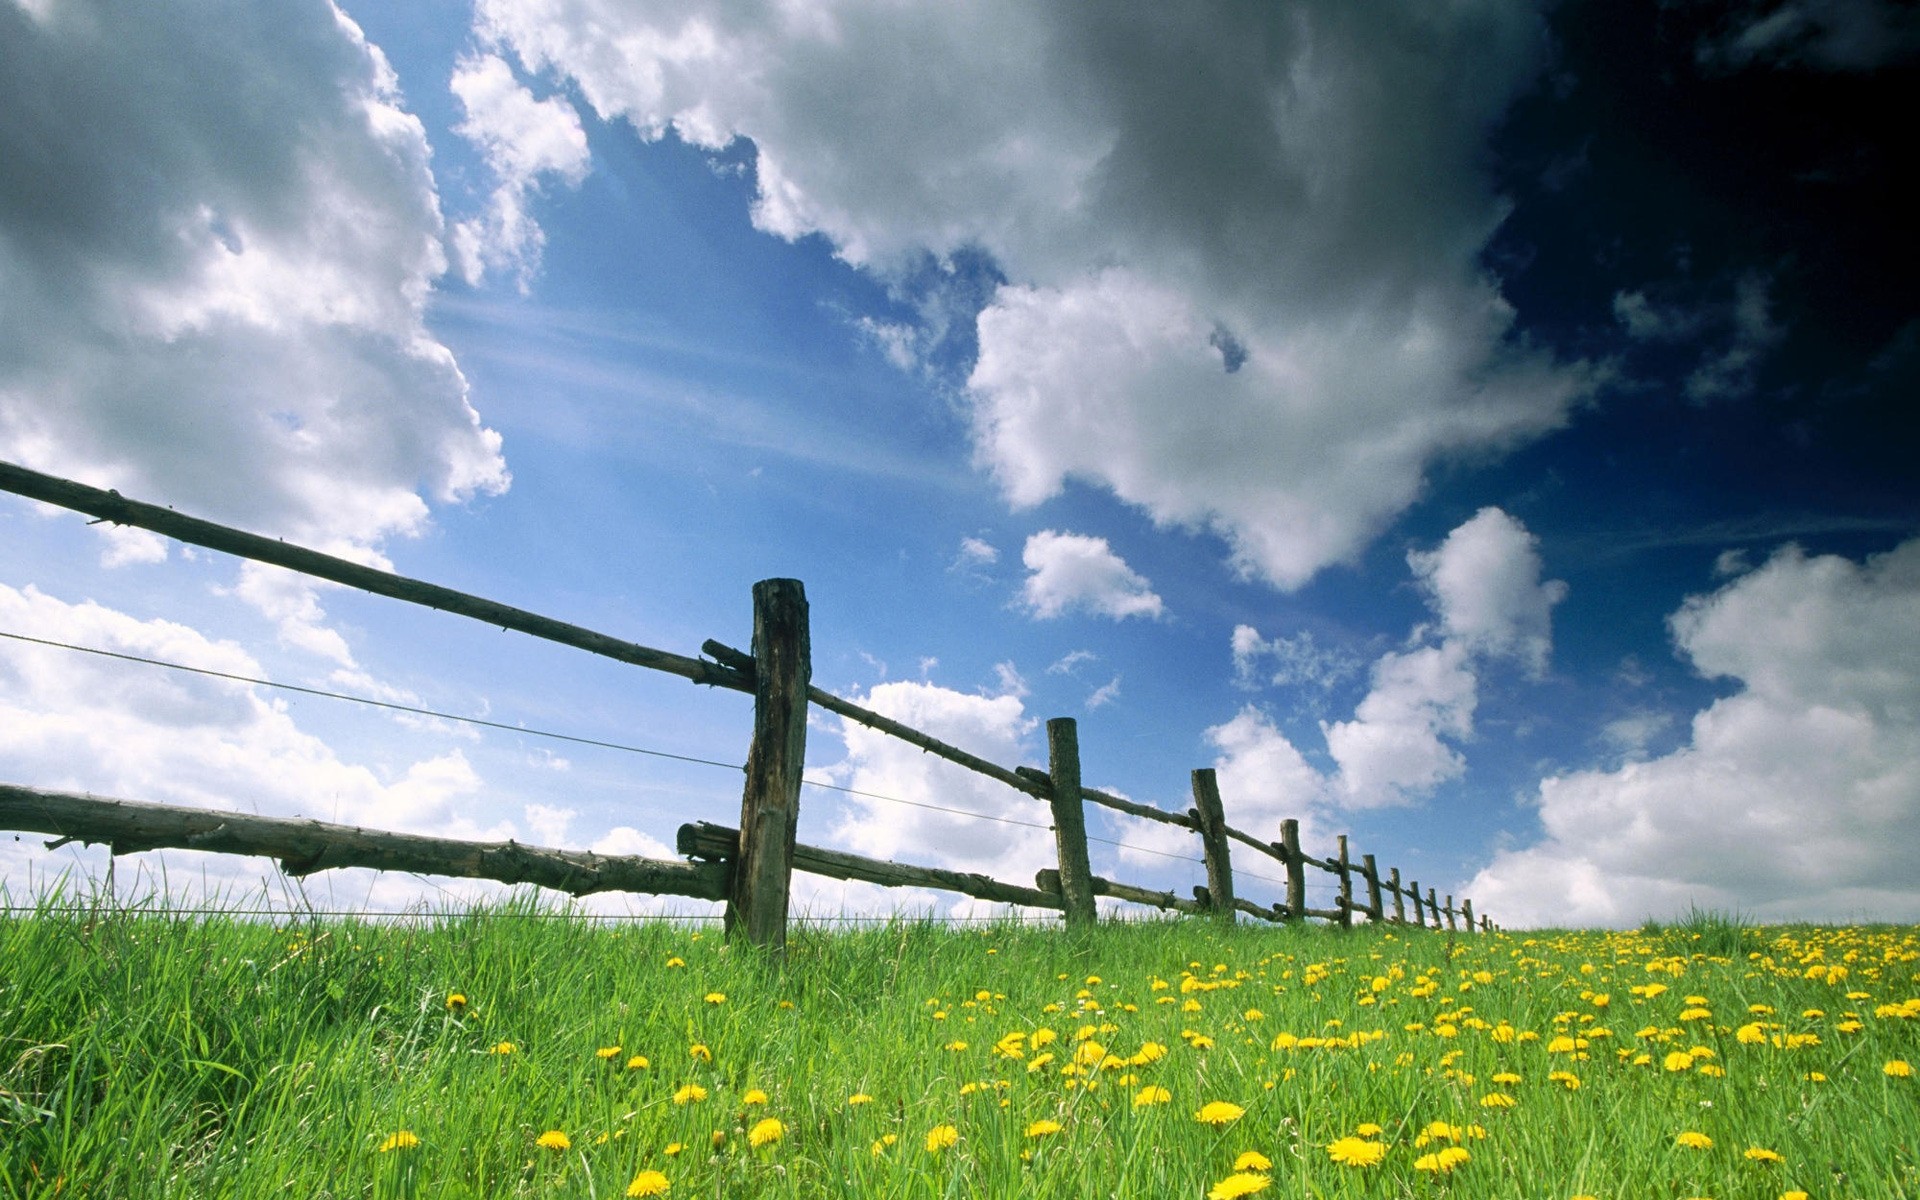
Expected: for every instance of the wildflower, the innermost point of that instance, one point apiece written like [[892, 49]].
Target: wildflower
[[955, 1046], [766, 1133], [942, 1137], [504, 1048], [553, 1140], [1148, 1096], [1796, 1194], [1218, 1113], [1043, 1128], [674, 1148], [716, 997], [638, 1063], [1369, 1130], [1253, 1160], [858, 1098], [692, 1093], [1678, 1060], [456, 1000], [676, 961], [404, 1140], [700, 1052], [882, 1142], [754, 1096], [1898, 1068], [1764, 1155], [1240, 1183], [1356, 1152], [648, 1183], [1442, 1161], [1694, 1140], [1566, 1079], [1497, 1100]]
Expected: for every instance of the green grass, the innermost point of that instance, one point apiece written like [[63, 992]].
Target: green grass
[[145, 1053]]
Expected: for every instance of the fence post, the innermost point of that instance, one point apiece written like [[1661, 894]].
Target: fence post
[[1450, 913], [1433, 907], [1296, 870], [1413, 890], [1372, 873], [1466, 910], [1212, 819], [1346, 886], [1399, 900], [770, 804], [1069, 821]]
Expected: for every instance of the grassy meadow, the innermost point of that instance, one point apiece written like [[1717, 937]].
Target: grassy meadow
[[509, 1053]]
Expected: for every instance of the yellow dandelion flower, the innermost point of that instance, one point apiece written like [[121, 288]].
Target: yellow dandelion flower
[[648, 1183], [456, 1000], [882, 1142], [1898, 1068], [1505, 1078], [504, 1048], [1356, 1152], [1039, 1063], [692, 1093], [1796, 1194], [754, 1096], [638, 1063], [1764, 1155], [942, 1137], [676, 961], [1146, 1097], [1253, 1160], [715, 997], [1240, 1183], [859, 1098], [607, 1052], [1694, 1140], [1368, 1130], [1497, 1100], [700, 1052], [674, 1148], [404, 1140], [554, 1140], [955, 1046], [1442, 1161], [1218, 1113], [1043, 1128], [1678, 1060], [766, 1133]]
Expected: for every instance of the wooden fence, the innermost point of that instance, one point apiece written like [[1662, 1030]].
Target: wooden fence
[[749, 867]]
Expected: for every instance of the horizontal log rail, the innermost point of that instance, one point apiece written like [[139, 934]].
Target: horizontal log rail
[[304, 847], [111, 506], [1049, 882], [703, 839]]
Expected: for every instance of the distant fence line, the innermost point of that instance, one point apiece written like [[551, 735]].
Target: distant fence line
[[749, 867]]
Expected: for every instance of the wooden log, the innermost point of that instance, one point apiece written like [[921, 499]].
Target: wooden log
[[770, 802], [1296, 870], [1413, 890], [1466, 911], [113, 507], [1274, 913], [1069, 821], [1049, 882], [1449, 910], [1345, 870], [1211, 817], [709, 841], [1433, 907], [304, 847], [1371, 874], [1399, 901]]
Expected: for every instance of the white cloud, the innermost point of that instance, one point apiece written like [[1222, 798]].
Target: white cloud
[[1295, 660], [975, 555], [1071, 571], [1104, 695], [996, 728], [1484, 582], [1399, 744], [1241, 246], [1796, 798], [523, 139], [236, 327]]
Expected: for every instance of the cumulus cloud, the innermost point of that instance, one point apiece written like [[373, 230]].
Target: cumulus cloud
[[1240, 246], [523, 140], [1794, 798], [1484, 582], [74, 723], [1289, 661], [1069, 571], [996, 728], [234, 323]]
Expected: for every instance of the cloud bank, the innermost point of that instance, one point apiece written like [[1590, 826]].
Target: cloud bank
[[1795, 798]]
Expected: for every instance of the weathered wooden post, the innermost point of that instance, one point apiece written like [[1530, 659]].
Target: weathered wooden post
[[1433, 907], [1371, 872], [1346, 886], [770, 805], [1413, 890], [1296, 870], [1212, 819], [1449, 910], [1070, 822], [1399, 900], [1466, 910]]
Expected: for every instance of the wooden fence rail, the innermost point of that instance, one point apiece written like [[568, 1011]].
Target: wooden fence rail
[[749, 867]]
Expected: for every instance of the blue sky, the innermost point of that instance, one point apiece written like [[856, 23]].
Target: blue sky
[[1475, 432]]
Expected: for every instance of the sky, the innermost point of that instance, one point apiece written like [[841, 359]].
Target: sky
[[1471, 428]]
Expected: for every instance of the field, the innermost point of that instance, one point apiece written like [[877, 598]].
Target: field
[[145, 1053]]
